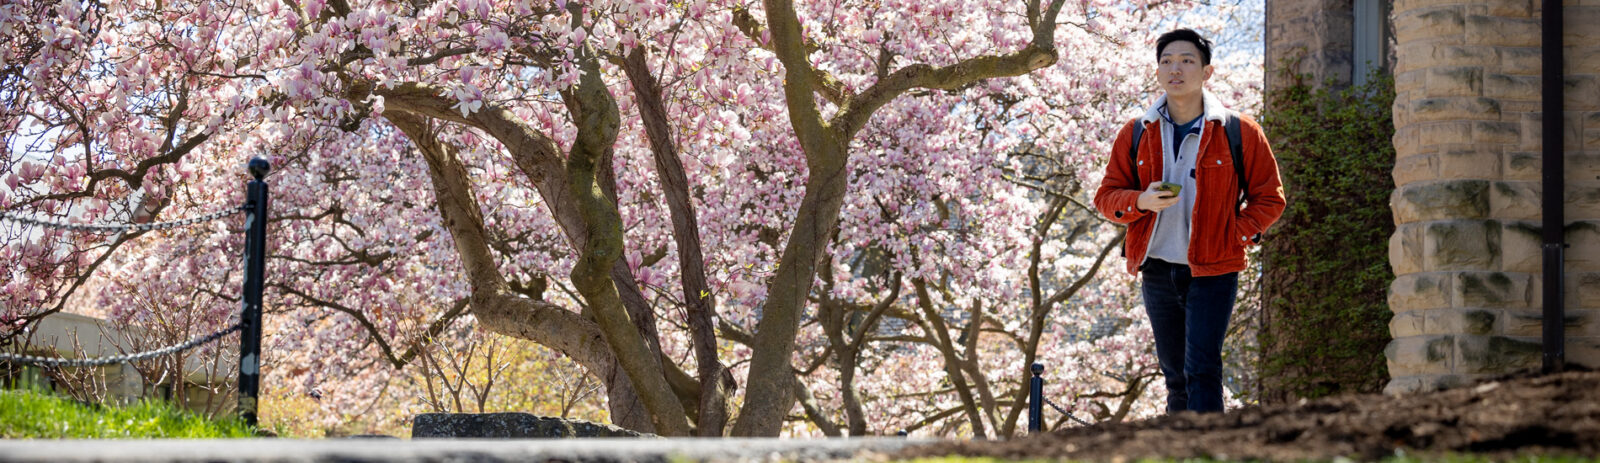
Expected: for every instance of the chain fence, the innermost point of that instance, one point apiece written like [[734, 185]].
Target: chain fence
[[120, 228], [126, 358], [1064, 412]]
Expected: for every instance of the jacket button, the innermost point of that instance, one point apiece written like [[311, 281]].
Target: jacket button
[[1219, 162]]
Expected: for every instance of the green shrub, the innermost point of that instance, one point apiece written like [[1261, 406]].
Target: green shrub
[[33, 414], [1326, 313]]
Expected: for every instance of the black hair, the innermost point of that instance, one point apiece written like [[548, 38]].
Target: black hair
[[1185, 35]]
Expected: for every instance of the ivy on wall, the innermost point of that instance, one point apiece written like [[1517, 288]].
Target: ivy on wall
[[1326, 273]]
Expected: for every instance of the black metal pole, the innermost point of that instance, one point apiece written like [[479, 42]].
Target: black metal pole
[[1554, 226], [255, 259], [1036, 399]]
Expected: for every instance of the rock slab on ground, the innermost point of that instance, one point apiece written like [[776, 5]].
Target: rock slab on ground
[[510, 426]]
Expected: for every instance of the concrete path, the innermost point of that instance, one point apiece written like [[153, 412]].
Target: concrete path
[[452, 450]]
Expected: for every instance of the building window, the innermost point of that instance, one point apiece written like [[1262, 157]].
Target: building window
[[1371, 37]]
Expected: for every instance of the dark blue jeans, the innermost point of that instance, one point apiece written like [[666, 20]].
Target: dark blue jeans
[[1190, 318]]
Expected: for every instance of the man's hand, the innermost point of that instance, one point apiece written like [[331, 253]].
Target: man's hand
[[1155, 200]]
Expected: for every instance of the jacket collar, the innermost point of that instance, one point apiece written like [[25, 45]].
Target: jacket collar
[[1214, 110]]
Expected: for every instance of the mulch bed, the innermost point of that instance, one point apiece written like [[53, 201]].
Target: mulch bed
[[1555, 414]]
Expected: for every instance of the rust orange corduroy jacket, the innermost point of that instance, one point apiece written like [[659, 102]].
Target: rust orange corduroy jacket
[[1219, 232]]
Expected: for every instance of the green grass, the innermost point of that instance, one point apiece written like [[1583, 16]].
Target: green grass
[[32, 414]]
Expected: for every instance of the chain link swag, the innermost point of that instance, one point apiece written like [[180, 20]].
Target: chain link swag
[[119, 228], [94, 362]]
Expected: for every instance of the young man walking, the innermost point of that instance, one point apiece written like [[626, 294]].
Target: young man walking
[[1195, 187]]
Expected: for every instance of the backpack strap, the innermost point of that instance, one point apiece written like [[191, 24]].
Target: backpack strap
[[1236, 145], [1133, 150]]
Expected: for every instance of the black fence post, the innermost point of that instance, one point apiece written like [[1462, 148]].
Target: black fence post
[[1036, 399], [255, 259]]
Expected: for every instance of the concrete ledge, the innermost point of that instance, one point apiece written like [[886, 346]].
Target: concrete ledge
[[453, 450]]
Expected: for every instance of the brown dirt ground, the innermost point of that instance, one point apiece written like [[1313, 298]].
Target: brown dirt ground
[[1555, 414]]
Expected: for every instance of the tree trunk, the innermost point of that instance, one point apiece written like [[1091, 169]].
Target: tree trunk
[[700, 302], [497, 309], [952, 360], [596, 116]]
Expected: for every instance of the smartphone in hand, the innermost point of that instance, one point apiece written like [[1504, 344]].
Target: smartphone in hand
[[1170, 188]]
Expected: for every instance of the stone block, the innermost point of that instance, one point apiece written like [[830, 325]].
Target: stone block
[[1472, 321], [1526, 322], [1405, 249], [1496, 354], [1583, 245], [1582, 93], [1511, 8], [1581, 165], [1522, 166], [1407, 5], [1535, 289], [1512, 87], [1470, 162], [1533, 131], [1461, 245], [1428, 23], [1496, 132], [1584, 56], [1583, 352], [1511, 110], [1521, 61], [1416, 168], [1582, 323], [1493, 290], [1460, 55], [1455, 109], [1502, 31], [1421, 355], [1582, 198], [509, 426], [1583, 290], [1406, 141], [1420, 291], [1408, 324], [1403, 385], [1521, 247], [1579, 24], [1441, 200], [1401, 109], [1409, 81], [1434, 134], [1442, 81], [1514, 200], [1410, 58], [1530, 322], [1429, 383]]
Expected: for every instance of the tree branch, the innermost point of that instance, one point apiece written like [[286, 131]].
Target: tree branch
[[826, 84]]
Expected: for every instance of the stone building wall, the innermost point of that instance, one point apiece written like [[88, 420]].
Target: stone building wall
[[1316, 34], [1467, 295]]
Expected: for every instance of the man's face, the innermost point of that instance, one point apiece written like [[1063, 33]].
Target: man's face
[[1180, 71]]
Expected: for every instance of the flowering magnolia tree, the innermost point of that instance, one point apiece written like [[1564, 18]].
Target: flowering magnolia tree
[[840, 217]]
